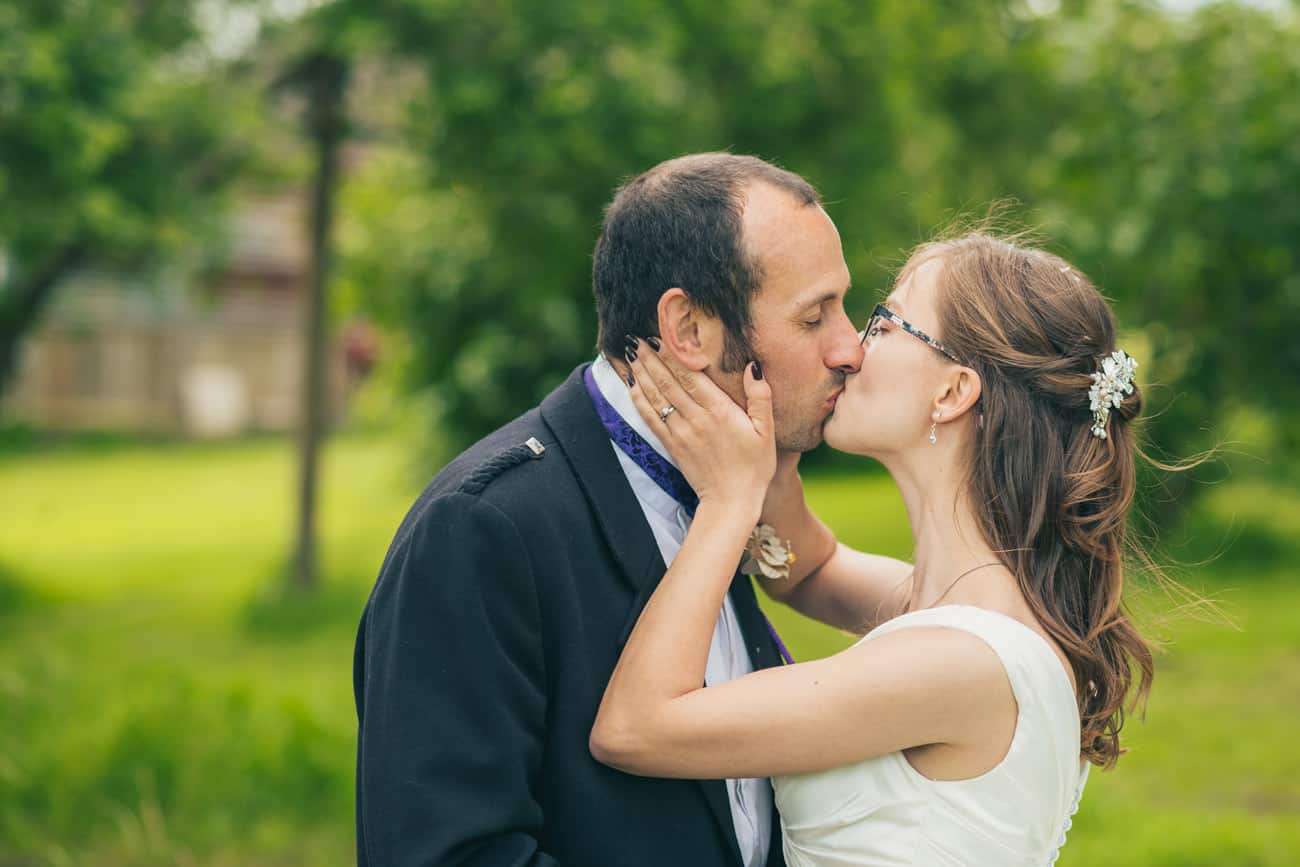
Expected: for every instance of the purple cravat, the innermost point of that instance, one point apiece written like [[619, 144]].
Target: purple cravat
[[662, 473]]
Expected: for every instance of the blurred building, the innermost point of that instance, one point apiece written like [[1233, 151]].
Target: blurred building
[[175, 354]]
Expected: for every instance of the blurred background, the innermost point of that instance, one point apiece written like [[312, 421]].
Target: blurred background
[[266, 265]]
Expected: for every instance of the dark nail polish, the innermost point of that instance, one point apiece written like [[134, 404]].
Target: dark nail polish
[[654, 342], [630, 381], [758, 370], [629, 354]]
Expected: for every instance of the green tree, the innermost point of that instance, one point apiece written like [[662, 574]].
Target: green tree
[[1175, 180], [476, 234], [1154, 148], [117, 133]]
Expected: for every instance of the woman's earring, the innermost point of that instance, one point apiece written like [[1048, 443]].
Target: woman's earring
[[934, 439]]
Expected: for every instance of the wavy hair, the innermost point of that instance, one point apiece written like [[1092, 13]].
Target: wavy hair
[[1054, 499]]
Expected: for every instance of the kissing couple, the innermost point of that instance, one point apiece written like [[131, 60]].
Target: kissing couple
[[563, 661]]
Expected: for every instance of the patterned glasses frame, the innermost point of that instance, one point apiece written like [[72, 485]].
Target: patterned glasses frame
[[882, 312]]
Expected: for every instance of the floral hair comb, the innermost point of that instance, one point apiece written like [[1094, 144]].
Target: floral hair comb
[[1109, 386]]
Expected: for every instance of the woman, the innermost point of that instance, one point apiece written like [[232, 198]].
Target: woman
[[995, 667]]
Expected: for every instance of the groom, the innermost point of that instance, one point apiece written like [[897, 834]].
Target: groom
[[517, 576]]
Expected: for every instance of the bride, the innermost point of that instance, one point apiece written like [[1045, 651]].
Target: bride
[[995, 668]]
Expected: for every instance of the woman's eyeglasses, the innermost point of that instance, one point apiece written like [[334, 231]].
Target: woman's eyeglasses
[[883, 313]]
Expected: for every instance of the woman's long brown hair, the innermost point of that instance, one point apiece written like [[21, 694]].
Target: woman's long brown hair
[[1052, 498]]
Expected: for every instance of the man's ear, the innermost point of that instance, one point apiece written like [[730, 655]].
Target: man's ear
[[693, 337], [961, 392]]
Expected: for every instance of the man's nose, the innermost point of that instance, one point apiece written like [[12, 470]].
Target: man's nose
[[846, 350]]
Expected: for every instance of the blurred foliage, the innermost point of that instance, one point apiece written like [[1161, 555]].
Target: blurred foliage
[[1177, 183], [1158, 150], [117, 133]]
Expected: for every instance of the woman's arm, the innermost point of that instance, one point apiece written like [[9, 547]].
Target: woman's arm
[[918, 686], [829, 581]]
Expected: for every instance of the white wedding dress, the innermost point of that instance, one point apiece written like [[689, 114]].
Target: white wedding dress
[[883, 813]]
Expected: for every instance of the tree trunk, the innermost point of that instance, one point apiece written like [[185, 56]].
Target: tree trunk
[[325, 78], [22, 305]]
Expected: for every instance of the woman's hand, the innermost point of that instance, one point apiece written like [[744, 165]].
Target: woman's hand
[[728, 454]]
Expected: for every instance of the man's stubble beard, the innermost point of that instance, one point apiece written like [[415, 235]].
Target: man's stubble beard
[[802, 437], [789, 437]]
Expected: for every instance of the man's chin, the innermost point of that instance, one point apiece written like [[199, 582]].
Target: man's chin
[[801, 441]]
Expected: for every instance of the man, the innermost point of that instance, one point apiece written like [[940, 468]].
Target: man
[[517, 576]]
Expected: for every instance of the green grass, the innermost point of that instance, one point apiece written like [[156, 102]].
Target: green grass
[[164, 701]]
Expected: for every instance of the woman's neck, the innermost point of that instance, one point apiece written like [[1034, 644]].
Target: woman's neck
[[946, 539]]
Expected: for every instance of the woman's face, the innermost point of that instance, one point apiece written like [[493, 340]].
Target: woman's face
[[886, 407]]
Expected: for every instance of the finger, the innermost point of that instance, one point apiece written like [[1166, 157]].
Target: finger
[[649, 365], [701, 389], [649, 402], [758, 402], [696, 385]]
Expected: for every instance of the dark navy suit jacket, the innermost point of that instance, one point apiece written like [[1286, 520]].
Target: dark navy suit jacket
[[499, 612]]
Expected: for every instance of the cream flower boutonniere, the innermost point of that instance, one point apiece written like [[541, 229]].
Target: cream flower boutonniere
[[766, 554]]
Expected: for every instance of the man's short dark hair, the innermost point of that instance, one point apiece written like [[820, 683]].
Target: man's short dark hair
[[679, 224]]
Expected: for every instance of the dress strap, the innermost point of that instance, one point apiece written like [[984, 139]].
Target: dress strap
[[1025, 655]]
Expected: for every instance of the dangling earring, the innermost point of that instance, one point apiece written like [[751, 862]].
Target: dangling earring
[[934, 439]]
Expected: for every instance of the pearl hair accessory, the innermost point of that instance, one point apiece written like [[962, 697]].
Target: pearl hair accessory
[[1109, 386]]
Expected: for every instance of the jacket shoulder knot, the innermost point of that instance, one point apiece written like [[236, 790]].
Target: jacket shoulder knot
[[482, 475]]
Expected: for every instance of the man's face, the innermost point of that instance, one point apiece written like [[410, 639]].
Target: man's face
[[802, 336]]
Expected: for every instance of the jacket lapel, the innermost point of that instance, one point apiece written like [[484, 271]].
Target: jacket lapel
[[569, 414], [758, 640]]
